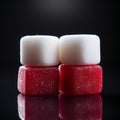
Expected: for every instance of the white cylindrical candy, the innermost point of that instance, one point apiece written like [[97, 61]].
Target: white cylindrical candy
[[79, 49], [39, 50]]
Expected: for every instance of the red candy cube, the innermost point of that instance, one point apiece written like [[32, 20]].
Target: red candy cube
[[87, 107], [80, 79], [38, 80], [38, 107]]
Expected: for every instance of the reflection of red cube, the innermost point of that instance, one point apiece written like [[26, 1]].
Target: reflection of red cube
[[80, 79], [38, 107], [80, 107], [38, 80]]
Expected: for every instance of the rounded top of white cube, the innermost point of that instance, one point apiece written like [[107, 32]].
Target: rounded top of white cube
[[39, 50], [38, 37], [79, 49], [80, 37]]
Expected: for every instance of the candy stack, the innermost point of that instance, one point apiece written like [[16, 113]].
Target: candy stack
[[79, 71], [39, 75]]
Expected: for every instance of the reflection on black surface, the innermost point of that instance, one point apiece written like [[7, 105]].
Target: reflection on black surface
[[70, 107], [80, 107], [38, 107]]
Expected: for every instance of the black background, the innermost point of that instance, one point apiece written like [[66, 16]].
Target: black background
[[57, 17]]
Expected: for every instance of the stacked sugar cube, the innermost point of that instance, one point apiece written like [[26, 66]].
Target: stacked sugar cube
[[78, 74], [39, 74]]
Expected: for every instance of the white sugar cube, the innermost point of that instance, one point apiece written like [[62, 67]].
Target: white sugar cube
[[39, 50], [79, 49]]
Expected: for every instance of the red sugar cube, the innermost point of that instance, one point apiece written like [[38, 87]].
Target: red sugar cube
[[38, 107], [38, 80], [88, 107], [80, 79]]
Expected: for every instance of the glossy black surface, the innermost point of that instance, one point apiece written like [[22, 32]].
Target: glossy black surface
[[59, 17], [108, 103]]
